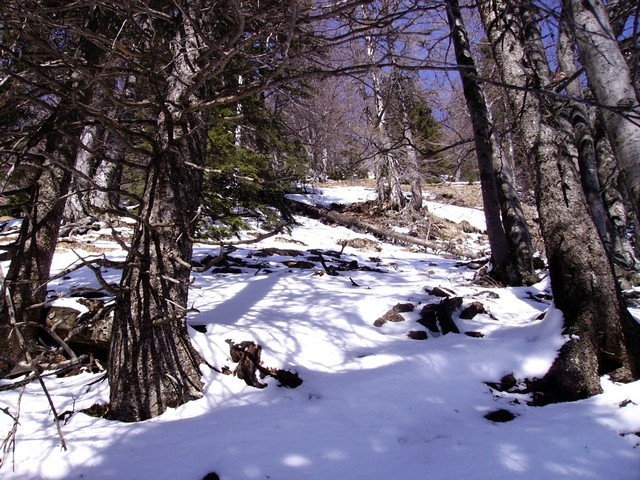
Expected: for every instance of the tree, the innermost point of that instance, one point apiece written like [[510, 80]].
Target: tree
[[41, 146], [612, 86], [596, 321], [387, 169], [511, 249], [615, 243]]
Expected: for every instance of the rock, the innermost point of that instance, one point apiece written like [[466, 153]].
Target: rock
[[418, 335], [472, 310], [474, 334], [404, 307], [91, 329], [363, 244], [437, 316], [466, 227], [487, 294], [500, 416], [506, 384], [269, 252], [440, 292], [508, 381], [391, 316], [232, 270], [286, 378], [302, 264]]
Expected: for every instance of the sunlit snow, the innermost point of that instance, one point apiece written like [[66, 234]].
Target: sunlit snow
[[374, 404]]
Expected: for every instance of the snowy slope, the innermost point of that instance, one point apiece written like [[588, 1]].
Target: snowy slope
[[374, 404]]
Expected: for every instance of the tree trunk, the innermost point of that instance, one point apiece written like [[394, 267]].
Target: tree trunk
[[105, 197], [612, 190], [612, 87], [76, 208], [28, 275], [413, 167], [582, 280], [388, 186], [152, 363], [511, 250]]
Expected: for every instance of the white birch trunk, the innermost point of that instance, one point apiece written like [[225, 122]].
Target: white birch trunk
[[612, 86]]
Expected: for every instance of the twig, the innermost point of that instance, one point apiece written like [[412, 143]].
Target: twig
[[56, 418], [10, 440]]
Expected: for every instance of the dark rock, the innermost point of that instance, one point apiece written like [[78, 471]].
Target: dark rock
[[269, 252], [506, 383], [88, 293], [440, 292], [472, 310], [429, 317], [474, 334], [302, 264], [287, 378], [200, 328], [232, 270], [404, 307], [487, 294], [418, 335], [500, 416], [437, 316]]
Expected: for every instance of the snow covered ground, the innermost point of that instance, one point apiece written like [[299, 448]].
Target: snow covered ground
[[374, 404]]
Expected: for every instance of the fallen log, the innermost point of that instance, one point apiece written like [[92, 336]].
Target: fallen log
[[352, 222]]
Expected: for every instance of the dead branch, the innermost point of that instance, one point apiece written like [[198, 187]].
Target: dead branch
[[56, 417], [9, 441], [352, 222]]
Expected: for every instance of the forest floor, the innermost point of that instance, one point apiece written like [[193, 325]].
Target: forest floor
[[386, 392]]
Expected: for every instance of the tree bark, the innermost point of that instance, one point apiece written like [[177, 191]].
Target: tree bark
[[90, 140], [152, 364], [413, 167], [612, 86], [612, 190]]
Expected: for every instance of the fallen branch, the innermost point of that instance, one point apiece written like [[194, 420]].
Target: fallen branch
[[231, 246], [56, 417], [352, 222], [53, 369]]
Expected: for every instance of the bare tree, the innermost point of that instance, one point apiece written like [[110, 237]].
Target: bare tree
[[511, 249], [614, 241], [612, 86]]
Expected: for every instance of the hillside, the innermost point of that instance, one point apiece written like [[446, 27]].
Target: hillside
[[386, 392]]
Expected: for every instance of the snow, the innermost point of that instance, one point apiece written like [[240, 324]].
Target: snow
[[374, 404]]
